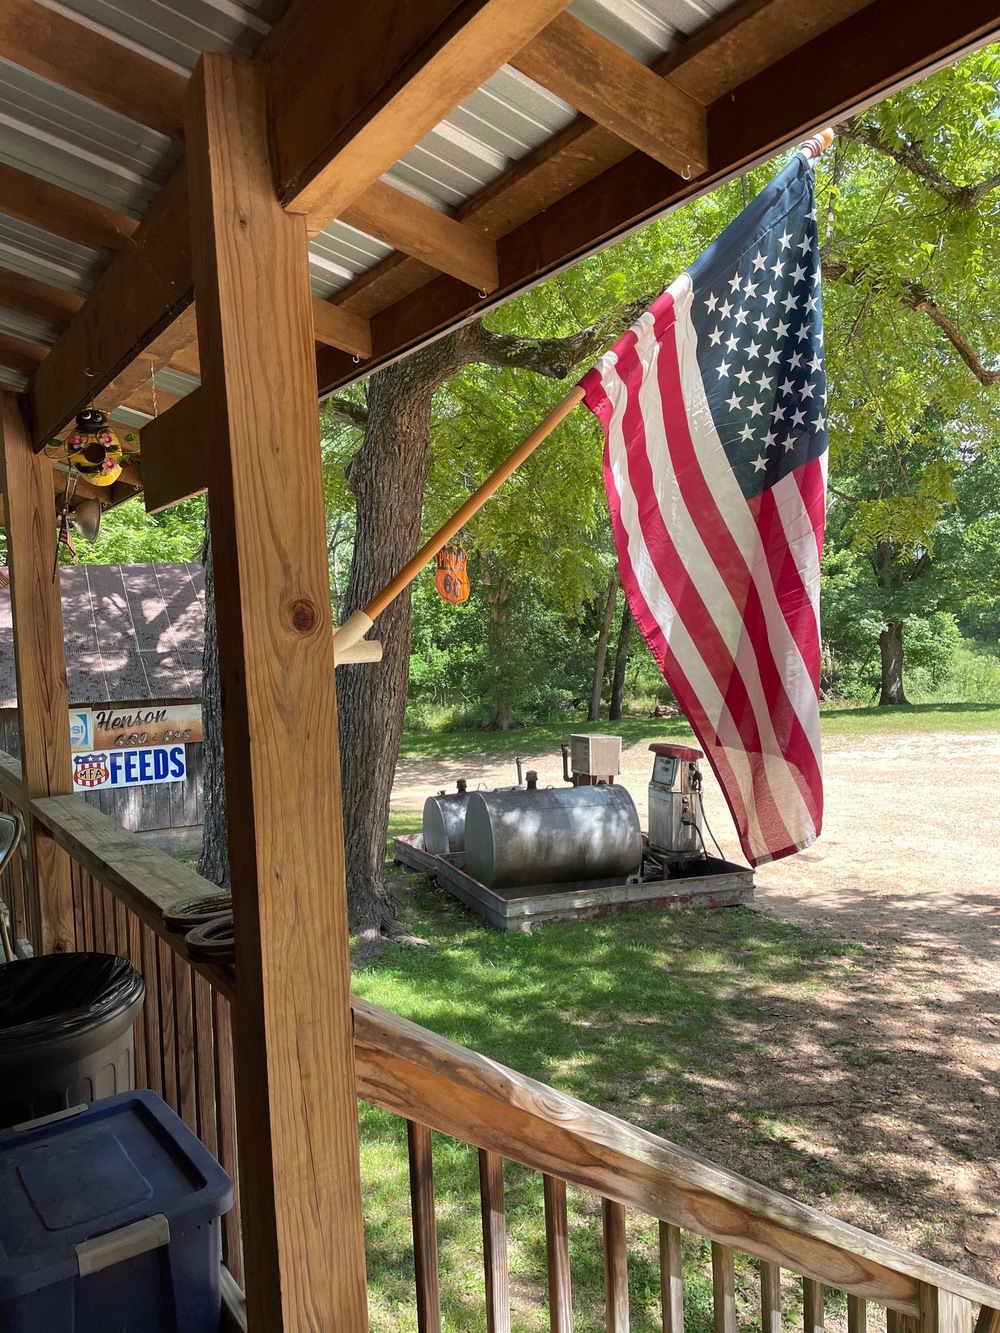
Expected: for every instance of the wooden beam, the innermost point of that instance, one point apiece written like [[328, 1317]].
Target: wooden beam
[[135, 377], [40, 663], [28, 296], [339, 328], [856, 61], [141, 293], [89, 63], [607, 84], [174, 460], [350, 99], [51, 208], [293, 1046], [416, 229], [20, 355]]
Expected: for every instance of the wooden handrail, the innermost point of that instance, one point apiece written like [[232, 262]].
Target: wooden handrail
[[144, 878], [12, 781], [417, 1074]]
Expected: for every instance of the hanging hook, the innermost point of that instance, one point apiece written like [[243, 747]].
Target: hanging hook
[[356, 359], [686, 173]]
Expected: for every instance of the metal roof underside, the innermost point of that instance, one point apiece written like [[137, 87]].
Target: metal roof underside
[[73, 142]]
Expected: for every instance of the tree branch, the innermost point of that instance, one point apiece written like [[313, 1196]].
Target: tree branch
[[911, 156], [347, 411], [552, 357], [918, 298]]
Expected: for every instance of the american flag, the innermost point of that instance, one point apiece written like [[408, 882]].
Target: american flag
[[714, 409]]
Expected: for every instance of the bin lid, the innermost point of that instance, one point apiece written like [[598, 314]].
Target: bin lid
[[69, 1178], [60, 993]]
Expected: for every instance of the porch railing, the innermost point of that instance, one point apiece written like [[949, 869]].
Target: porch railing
[[184, 1052]]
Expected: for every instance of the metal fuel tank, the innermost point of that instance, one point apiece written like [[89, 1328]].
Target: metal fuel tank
[[444, 821], [551, 836]]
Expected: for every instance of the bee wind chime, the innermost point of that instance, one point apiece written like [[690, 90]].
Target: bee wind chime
[[96, 456]]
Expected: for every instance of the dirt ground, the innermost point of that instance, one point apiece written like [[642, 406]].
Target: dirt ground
[[889, 1076]]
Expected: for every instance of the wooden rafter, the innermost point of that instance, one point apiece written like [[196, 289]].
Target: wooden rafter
[[607, 84], [20, 355], [30, 199], [28, 296], [350, 99], [84, 60], [418, 230], [877, 47]]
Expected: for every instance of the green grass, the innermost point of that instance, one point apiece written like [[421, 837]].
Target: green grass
[[836, 721], [635, 1014]]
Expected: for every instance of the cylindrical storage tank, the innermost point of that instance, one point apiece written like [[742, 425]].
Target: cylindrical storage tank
[[444, 821], [553, 836]]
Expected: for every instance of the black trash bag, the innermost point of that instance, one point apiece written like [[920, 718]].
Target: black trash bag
[[59, 993]]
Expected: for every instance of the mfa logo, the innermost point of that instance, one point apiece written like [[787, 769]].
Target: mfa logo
[[90, 770]]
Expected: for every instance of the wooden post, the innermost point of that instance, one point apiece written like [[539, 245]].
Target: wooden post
[[40, 661], [293, 1046]]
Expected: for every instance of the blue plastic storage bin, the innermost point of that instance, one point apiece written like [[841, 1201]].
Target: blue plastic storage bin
[[109, 1222]]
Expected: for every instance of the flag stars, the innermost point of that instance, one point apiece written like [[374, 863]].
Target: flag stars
[[773, 356], [736, 283], [712, 302], [791, 302], [725, 310], [811, 303], [759, 464], [789, 444], [758, 261], [805, 245], [804, 332], [777, 268], [786, 387], [753, 350], [734, 400], [798, 273], [816, 363], [808, 389], [744, 376], [723, 370], [781, 329], [742, 316], [798, 416], [765, 382], [755, 408], [820, 422], [795, 360], [746, 434], [760, 323], [770, 296], [715, 337], [785, 240], [750, 288], [732, 342]]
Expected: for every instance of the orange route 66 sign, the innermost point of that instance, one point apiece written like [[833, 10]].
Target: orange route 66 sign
[[452, 576]]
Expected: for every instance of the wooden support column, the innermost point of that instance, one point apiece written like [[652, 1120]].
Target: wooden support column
[[294, 1061], [40, 660]]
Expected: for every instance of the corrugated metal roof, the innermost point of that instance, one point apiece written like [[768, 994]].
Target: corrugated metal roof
[[73, 142], [133, 633]]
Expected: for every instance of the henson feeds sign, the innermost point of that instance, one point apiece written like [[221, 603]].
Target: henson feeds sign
[[128, 768], [110, 727]]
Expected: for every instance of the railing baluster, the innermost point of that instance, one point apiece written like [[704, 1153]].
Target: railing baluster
[[494, 1242], [151, 1009], [770, 1297], [133, 928], [184, 1041], [204, 1062], [225, 1110], [857, 1315], [615, 1267], [168, 1026], [425, 1255], [812, 1306], [557, 1251], [671, 1279], [943, 1312], [988, 1321], [724, 1288]]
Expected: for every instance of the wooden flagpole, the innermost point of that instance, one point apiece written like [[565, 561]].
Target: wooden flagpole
[[357, 625]]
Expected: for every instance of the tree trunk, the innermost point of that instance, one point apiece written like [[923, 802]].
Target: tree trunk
[[387, 477], [890, 641], [602, 652], [213, 863], [621, 662]]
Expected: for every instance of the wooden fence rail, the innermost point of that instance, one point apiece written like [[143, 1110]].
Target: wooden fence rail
[[184, 1052]]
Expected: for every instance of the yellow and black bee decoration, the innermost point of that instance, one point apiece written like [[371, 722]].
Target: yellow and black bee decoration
[[94, 448]]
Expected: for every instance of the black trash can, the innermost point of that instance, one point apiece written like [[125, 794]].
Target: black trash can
[[65, 1032]]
